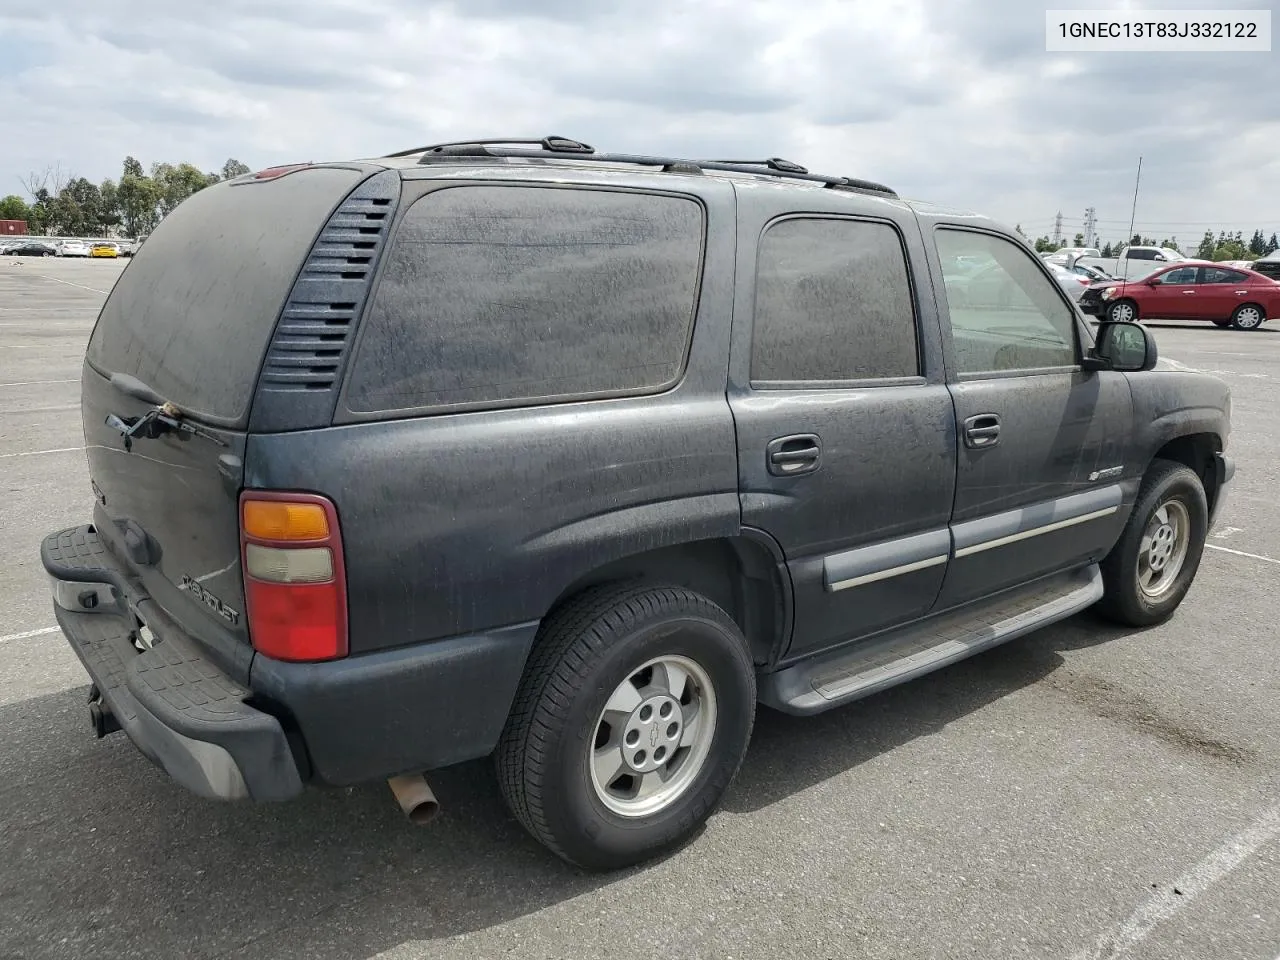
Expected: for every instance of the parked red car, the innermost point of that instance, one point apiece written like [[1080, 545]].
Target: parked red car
[[1189, 290]]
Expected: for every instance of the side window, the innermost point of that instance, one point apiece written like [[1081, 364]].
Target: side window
[[1180, 275], [833, 303], [1006, 315], [1132, 254], [1223, 275], [529, 294]]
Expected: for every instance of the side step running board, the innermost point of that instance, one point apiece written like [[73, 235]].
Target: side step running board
[[848, 674]]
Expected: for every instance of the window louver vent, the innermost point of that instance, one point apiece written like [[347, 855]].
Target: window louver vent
[[312, 337]]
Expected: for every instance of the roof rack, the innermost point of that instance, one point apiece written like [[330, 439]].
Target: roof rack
[[563, 148]]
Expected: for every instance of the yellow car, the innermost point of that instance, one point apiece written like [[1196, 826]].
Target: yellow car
[[104, 250]]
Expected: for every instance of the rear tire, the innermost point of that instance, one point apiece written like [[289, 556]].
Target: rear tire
[[1248, 316], [1123, 311], [1152, 565], [599, 695]]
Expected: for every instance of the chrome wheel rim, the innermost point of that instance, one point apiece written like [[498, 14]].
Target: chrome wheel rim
[[1163, 549], [1249, 317], [1122, 313], [653, 737]]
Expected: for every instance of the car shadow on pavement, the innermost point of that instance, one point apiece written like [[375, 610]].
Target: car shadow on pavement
[[104, 856], [790, 753]]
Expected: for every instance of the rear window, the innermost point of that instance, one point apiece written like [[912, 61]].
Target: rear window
[[510, 295], [192, 313]]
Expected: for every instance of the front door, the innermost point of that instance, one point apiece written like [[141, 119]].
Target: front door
[[1174, 297], [846, 439], [1041, 441]]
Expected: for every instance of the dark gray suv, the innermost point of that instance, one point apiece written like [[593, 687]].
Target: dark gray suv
[[519, 449]]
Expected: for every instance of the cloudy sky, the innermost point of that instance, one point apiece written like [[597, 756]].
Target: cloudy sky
[[948, 100]]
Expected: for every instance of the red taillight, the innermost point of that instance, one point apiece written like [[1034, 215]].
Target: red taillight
[[294, 578], [272, 172]]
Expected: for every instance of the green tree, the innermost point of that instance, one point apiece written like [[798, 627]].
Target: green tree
[[1273, 244], [1257, 244], [1207, 246], [108, 207], [132, 168], [1045, 245], [234, 168], [14, 208], [1106, 250], [138, 198], [176, 183], [1078, 240], [1231, 249]]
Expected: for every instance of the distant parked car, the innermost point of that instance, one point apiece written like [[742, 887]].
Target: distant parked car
[[104, 250], [1268, 266], [1091, 273], [32, 248], [1072, 283], [73, 248], [1195, 290]]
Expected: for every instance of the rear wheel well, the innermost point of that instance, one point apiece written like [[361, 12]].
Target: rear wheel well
[[738, 574], [1196, 451]]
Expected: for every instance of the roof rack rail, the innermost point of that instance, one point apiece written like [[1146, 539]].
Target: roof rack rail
[[475, 148], [563, 148], [773, 163]]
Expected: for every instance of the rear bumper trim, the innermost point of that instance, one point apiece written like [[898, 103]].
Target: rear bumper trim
[[179, 709]]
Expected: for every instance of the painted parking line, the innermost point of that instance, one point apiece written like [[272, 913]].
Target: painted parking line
[[37, 453], [1176, 896], [1241, 553], [71, 284], [34, 383], [29, 633]]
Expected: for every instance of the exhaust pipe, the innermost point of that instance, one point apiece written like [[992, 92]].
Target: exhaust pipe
[[415, 798]]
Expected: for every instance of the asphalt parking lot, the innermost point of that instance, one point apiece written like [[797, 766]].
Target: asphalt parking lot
[[1081, 793]]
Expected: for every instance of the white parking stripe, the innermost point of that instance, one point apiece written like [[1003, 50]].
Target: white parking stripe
[[70, 284], [1241, 553], [32, 383], [1166, 902], [36, 453], [30, 633]]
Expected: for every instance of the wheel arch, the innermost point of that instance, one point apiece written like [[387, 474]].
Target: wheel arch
[[745, 575], [1196, 451]]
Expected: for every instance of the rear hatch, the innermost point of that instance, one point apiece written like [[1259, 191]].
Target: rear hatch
[[191, 318]]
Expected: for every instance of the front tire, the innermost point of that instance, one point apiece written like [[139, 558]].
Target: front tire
[[1151, 567], [1123, 311], [631, 720], [1248, 316]]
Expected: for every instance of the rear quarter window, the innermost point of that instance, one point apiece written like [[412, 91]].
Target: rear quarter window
[[193, 312], [496, 295]]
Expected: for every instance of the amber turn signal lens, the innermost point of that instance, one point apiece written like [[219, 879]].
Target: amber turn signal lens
[[280, 520]]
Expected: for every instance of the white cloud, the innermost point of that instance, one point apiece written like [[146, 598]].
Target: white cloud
[[952, 101]]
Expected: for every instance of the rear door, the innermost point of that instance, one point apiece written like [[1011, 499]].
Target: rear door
[[190, 318], [1221, 290], [846, 440], [1041, 441]]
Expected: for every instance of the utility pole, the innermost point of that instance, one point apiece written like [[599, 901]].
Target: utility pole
[[1057, 230], [1090, 227]]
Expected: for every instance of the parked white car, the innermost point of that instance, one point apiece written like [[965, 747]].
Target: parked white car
[[73, 248]]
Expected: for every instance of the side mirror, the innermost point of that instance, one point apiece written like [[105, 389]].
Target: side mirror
[[1126, 347], [1154, 281]]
